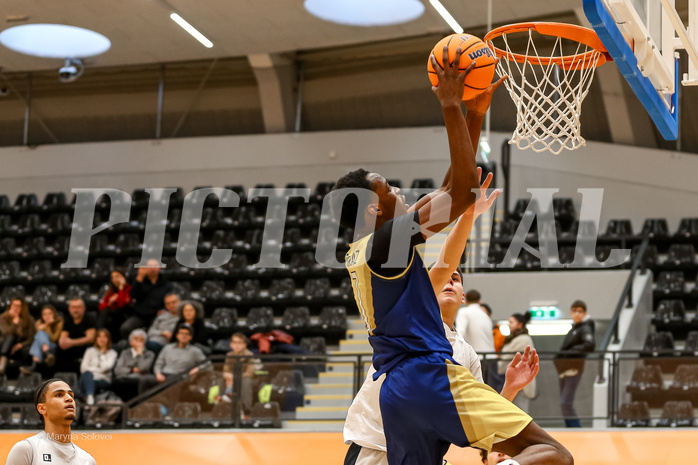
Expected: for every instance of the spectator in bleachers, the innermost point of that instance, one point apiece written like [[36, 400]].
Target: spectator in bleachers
[[17, 330], [192, 313], [48, 331], [133, 364], [115, 304], [496, 333], [474, 325], [77, 335], [570, 361], [175, 359], [96, 367], [238, 344], [148, 293], [517, 341], [162, 329]]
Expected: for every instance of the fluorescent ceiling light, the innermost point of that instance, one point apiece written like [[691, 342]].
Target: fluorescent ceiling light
[[446, 16], [54, 41], [365, 12], [191, 30]]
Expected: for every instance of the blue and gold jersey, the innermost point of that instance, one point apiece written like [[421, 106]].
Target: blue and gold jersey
[[400, 311]]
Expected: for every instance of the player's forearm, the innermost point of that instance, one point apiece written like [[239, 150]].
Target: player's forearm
[[508, 392], [463, 167], [451, 252], [474, 122]]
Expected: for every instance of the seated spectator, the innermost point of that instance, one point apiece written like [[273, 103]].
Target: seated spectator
[[48, 331], [238, 344], [17, 330], [175, 359], [516, 341], [192, 313], [115, 304], [77, 335], [132, 365], [162, 329], [96, 366], [148, 293]]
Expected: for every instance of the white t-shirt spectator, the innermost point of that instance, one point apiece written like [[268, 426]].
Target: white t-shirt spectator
[[475, 326]]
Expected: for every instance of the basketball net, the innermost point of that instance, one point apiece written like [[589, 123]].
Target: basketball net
[[548, 91]]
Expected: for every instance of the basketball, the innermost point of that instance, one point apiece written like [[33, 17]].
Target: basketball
[[472, 48]]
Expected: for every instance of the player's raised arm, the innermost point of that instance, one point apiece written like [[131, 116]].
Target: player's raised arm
[[452, 250]]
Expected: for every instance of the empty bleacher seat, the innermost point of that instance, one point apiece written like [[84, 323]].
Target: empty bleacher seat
[[295, 319], [185, 413], [247, 289], [70, 378], [28, 224], [240, 191], [321, 190], [660, 343], [6, 418], [60, 246], [39, 270], [670, 281], [564, 212], [54, 201], [29, 417], [44, 295], [681, 255], [314, 345], [317, 288], [655, 228], [633, 414], [685, 379], [145, 414], [25, 202], [5, 205], [27, 384], [260, 319], [282, 289], [11, 292], [651, 257], [34, 247], [101, 269], [265, 411], [8, 248], [646, 379], [619, 228], [212, 291], [688, 228], [224, 320], [183, 289], [288, 389], [677, 413], [423, 183], [333, 318], [670, 311], [691, 345], [221, 415]]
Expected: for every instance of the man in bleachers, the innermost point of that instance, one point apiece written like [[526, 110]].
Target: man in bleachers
[[78, 334], [133, 363], [160, 332], [175, 359], [148, 292]]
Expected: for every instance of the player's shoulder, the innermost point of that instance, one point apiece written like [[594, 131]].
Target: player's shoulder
[[84, 457]]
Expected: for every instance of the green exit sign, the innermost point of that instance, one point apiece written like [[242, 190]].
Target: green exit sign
[[544, 313]]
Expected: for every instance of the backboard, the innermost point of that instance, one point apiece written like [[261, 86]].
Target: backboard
[[642, 36]]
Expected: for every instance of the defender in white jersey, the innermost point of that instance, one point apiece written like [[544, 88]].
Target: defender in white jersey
[[55, 403]]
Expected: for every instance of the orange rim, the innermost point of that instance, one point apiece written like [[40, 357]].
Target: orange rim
[[573, 32]]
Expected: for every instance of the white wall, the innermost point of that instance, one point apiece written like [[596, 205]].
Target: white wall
[[639, 183]]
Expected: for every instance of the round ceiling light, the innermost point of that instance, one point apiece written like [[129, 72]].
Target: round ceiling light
[[54, 41], [365, 12]]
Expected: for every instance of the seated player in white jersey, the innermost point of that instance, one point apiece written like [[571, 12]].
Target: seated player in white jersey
[[55, 403], [363, 428]]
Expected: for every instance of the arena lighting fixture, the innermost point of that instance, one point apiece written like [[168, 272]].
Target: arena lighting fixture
[[365, 12], [446, 16], [54, 41], [191, 30]]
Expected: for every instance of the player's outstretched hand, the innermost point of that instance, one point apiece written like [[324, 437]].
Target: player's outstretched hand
[[480, 104], [451, 80], [522, 369], [483, 202]]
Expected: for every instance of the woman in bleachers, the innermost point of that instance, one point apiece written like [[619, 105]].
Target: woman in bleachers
[[115, 304], [192, 312], [96, 366], [516, 341], [17, 330], [48, 331]]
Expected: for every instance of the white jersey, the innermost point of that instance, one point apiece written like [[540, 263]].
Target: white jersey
[[476, 327], [364, 424], [40, 449]]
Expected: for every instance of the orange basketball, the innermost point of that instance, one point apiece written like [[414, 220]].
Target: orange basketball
[[472, 48]]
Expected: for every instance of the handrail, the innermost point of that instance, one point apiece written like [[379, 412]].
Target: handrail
[[612, 330]]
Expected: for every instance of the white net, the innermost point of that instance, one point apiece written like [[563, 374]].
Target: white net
[[548, 91]]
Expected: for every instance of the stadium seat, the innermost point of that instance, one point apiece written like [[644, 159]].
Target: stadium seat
[[317, 288], [253, 238], [260, 320], [677, 413], [659, 344], [54, 201], [681, 255], [212, 291], [302, 263], [102, 268], [185, 414], [634, 414], [144, 415], [688, 228], [11, 292], [60, 246], [333, 318], [308, 214], [183, 288], [240, 191], [25, 203], [247, 289], [174, 218], [8, 248], [646, 379], [655, 228], [28, 224], [5, 224], [423, 183], [223, 239], [34, 247], [44, 295], [221, 415], [321, 190], [237, 266], [691, 346], [69, 377], [265, 411], [288, 389], [670, 281], [295, 320], [6, 417], [685, 379], [29, 417], [564, 213], [39, 271], [619, 228], [669, 311], [522, 206], [78, 291], [282, 289], [527, 261], [651, 257], [314, 345], [395, 183], [127, 243], [292, 237], [5, 205], [346, 291], [224, 320], [27, 384]]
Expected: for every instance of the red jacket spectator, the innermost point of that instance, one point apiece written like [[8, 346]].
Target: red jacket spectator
[[123, 298], [264, 340]]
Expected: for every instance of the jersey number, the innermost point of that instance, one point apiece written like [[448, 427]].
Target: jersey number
[[355, 283]]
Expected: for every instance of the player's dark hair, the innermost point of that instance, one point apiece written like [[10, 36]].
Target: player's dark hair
[[348, 210], [579, 303], [483, 455], [460, 273], [522, 318], [40, 394], [487, 308], [473, 296]]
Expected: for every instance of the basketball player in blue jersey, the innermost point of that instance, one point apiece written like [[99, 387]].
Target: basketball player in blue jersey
[[428, 401]]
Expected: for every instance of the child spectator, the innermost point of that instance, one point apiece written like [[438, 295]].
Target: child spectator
[[238, 344]]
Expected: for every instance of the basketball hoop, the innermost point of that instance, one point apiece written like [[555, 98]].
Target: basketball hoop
[[547, 87]]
